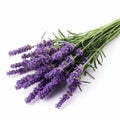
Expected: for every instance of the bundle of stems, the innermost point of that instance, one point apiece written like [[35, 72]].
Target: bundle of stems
[[92, 42]]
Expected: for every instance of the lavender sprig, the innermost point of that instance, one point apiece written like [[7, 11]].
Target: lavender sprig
[[20, 50]]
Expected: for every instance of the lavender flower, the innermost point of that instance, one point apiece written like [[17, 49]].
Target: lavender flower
[[49, 87], [62, 100], [20, 50], [48, 43], [28, 65], [53, 50], [33, 63], [58, 71], [75, 74], [73, 86], [19, 64], [67, 63], [37, 61], [45, 43], [44, 51], [21, 70], [67, 95], [64, 50], [24, 56], [54, 73], [22, 81], [43, 83], [37, 76], [26, 82], [18, 71], [31, 79], [43, 69], [33, 94], [50, 49], [16, 65], [41, 46], [30, 82], [39, 50]]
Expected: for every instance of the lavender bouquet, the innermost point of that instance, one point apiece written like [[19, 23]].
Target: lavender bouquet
[[62, 61]]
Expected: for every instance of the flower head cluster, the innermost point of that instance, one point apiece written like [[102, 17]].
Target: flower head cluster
[[20, 50], [65, 49], [52, 65]]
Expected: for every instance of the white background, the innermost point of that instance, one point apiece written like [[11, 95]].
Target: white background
[[24, 21]]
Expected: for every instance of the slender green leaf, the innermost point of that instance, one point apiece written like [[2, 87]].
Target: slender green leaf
[[95, 65], [101, 56], [103, 53], [43, 35], [56, 37], [99, 61], [61, 34], [90, 75]]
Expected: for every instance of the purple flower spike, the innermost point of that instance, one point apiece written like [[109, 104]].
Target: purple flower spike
[[20, 64], [64, 50], [53, 50], [23, 80], [63, 99], [30, 82], [24, 70], [32, 79], [20, 83], [13, 72], [26, 82], [37, 61], [58, 71], [54, 73], [36, 90], [49, 87], [67, 95], [73, 86], [39, 51], [32, 95], [16, 65], [67, 62], [24, 56], [40, 47], [18, 71], [43, 69], [48, 43], [44, 50], [43, 83], [17, 87], [75, 74], [20, 50]]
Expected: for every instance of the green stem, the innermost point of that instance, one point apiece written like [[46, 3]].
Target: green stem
[[99, 49], [101, 33]]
